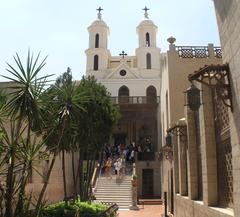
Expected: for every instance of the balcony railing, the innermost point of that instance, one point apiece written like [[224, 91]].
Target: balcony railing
[[192, 51], [198, 51], [136, 100]]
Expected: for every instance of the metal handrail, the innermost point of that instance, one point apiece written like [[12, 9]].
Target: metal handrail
[[95, 177], [114, 207]]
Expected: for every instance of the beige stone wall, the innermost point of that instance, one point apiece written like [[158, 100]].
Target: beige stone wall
[[228, 16], [189, 208], [54, 191], [174, 81], [178, 70]]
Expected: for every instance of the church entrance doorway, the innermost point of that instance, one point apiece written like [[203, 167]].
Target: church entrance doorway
[[147, 183]]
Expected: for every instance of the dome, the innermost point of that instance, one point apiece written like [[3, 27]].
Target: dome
[[146, 23], [99, 23]]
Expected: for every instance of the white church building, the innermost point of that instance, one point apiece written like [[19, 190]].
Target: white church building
[[134, 84]]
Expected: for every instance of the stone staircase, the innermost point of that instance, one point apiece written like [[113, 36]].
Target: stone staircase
[[115, 191]]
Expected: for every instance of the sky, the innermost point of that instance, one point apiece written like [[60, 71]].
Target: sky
[[58, 28]]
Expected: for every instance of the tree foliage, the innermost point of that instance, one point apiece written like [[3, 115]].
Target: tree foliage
[[38, 122]]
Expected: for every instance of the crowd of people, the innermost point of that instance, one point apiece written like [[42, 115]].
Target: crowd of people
[[117, 157]]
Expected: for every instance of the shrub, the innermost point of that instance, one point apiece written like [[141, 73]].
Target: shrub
[[71, 209]]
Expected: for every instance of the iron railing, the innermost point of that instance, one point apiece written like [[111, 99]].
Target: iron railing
[[136, 100]]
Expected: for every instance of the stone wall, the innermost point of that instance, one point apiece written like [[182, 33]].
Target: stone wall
[[54, 191], [174, 71], [191, 208], [228, 16]]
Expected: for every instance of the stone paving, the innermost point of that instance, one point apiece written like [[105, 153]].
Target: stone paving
[[147, 211]]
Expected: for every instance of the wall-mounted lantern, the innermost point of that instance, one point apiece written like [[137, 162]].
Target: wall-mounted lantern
[[193, 98], [167, 150], [168, 139], [216, 76]]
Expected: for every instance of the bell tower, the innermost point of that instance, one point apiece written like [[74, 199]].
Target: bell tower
[[148, 54], [97, 52]]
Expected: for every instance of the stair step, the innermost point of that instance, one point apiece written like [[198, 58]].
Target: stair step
[[119, 192], [114, 187], [117, 202], [115, 190], [114, 197]]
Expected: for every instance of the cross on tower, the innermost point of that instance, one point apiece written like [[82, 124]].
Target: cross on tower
[[123, 54], [99, 13], [146, 12]]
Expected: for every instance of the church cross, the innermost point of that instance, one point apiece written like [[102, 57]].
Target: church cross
[[99, 13], [146, 12], [123, 54]]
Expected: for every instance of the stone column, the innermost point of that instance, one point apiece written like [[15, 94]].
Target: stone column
[[134, 199], [134, 192], [209, 160], [211, 50], [182, 159], [192, 155]]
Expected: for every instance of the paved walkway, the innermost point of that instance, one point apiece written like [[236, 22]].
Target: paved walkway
[[148, 211]]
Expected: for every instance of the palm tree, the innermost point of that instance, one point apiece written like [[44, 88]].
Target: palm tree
[[66, 105], [23, 111]]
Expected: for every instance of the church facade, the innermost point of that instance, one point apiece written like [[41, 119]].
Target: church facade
[[134, 84]]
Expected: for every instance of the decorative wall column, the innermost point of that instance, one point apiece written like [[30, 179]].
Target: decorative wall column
[[175, 163], [209, 160], [134, 189], [192, 154], [182, 159]]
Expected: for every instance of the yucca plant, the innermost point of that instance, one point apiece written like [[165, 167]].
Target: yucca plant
[[23, 109], [66, 105]]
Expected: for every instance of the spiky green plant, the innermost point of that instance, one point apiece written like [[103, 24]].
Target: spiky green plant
[[23, 109]]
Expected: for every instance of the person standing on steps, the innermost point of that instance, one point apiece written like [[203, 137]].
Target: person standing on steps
[[118, 166], [108, 167]]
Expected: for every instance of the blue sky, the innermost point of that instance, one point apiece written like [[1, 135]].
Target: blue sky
[[58, 28]]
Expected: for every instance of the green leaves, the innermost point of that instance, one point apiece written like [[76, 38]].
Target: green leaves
[[62, 108], [25, 88], [101, 114], [19, 117]]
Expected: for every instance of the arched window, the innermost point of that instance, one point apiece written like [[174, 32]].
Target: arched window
[[148, 61], [147, 39], [151, 94], [123, 94], [97, 40], [95, 63]]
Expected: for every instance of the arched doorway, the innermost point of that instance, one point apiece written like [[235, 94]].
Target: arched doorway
[[123, 94], [151, 94]]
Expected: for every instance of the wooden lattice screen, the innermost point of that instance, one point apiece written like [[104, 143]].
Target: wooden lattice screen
[[224, 153]]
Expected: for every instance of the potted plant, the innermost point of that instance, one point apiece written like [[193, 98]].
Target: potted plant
[[134, 180]]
